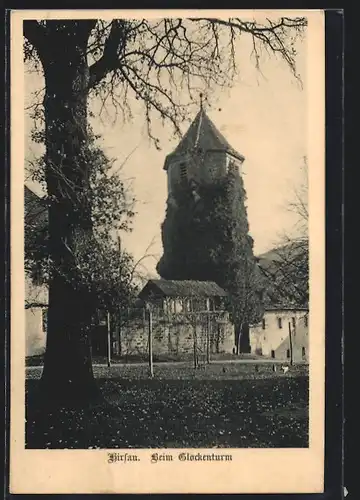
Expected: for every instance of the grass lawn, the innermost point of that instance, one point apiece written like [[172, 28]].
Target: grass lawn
[[238, 407]]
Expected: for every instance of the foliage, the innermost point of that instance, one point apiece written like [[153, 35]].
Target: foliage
[[99, 270], [287, 269], [207, 239], [263, 412]]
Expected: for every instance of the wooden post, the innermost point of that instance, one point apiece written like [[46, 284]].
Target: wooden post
[[119, 333], [151, 363], [290, 344], [208, 338], [195, 346], [108, 339], [119, 326]]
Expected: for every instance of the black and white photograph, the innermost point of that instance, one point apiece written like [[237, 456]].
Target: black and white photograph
[[167, 261]]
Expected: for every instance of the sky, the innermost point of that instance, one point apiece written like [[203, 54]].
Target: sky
[[263, 117]]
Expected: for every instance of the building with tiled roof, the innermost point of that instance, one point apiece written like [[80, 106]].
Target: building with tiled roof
[[180, 310], [182, 288], [286, 311]]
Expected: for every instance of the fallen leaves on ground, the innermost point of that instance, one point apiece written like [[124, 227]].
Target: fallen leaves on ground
[[144, 413]]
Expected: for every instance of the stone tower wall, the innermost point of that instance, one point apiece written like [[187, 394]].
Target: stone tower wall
[[203, 170]]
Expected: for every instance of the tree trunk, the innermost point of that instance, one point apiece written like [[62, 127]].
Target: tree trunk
[[244, 341], [218, 334], [67, 375], [291, 345], [238, 329]]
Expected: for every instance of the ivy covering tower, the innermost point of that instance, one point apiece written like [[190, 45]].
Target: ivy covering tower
[[205, 233]]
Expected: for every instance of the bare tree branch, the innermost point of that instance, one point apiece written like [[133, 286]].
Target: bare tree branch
[[110, 56]]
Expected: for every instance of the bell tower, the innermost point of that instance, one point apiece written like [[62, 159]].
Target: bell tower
[[202, 157], [205, 232]]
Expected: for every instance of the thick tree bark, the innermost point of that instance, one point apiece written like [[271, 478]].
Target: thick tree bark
[[67, 376]]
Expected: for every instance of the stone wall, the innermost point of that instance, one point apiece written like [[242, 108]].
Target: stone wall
[[213, 166], [176, 337]]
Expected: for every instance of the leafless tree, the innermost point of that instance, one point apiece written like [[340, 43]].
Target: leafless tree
[[288, 273]]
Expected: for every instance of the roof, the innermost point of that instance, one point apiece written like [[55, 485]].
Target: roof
[[203, 135], [281, 254], [183, 288], [280, 307]]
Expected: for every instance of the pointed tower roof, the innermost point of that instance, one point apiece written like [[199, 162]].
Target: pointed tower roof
[[202, 135]]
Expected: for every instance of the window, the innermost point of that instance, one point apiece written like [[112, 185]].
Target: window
[[199, 305], [183, 172], [303, 352], [272, 353], [171, 306], [279, 322], [306, 321], [37, 276], [288, 353], [211, 305], [293, 320], [263, 324], [187, 305]]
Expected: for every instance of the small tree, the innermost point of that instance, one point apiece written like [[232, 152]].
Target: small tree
[[246, 301]]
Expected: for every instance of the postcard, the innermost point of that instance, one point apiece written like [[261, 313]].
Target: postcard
[[168, 251]]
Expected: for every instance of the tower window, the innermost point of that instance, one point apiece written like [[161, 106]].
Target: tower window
[[293, 322], [288, 353], [279, 322], [306, 320], [263, 324], [37, 276], [303, 351], [183, 172]]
